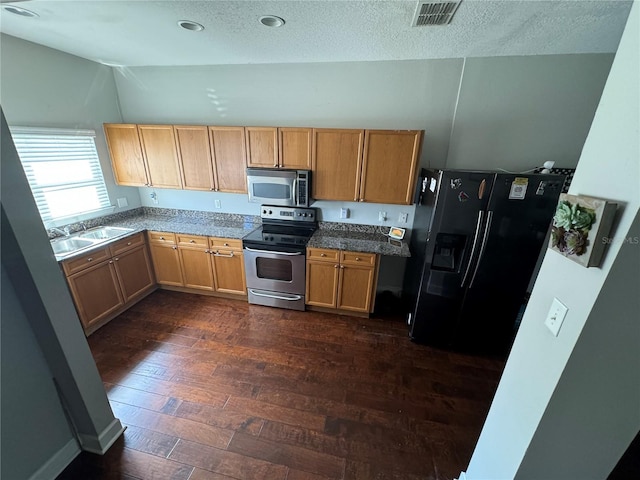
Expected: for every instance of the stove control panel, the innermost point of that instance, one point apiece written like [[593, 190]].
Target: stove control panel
[[292, 214]]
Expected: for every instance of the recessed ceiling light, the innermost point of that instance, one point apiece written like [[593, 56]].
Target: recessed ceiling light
[[189, 25], [271, 21], [23, 12]]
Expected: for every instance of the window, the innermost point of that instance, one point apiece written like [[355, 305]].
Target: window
[[63, 171]]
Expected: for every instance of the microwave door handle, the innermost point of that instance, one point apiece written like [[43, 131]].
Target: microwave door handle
[[295, 191]]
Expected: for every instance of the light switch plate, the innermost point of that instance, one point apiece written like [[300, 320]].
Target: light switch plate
[[217, 203], [122, 202], [555, 317]]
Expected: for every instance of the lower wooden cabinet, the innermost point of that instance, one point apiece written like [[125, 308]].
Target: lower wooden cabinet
[[105, 282], [341, 280], [196, 262]]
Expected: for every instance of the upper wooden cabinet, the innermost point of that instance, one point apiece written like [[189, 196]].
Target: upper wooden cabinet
[[337, 164], [390, 163], [144, 155], [271, 147], [160, 152], [195, 157], [262, 147], [294, 148], [126, 154], [229, 158], [212, 158]]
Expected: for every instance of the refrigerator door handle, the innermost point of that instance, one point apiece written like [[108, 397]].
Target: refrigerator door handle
[[473, 247], [485, 237]]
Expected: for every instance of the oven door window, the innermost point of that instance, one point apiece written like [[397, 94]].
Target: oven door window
[[274, 269], [272, 190]]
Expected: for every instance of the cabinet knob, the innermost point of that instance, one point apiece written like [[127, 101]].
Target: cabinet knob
[[192, 241], [161, 238], [90, 259], [110, 261], [275, 165], [116, 258], [174, 247], [336, 266], [342, 267], [128, 243], [226, 244], [357, 259], [323, 254], [207, 251]]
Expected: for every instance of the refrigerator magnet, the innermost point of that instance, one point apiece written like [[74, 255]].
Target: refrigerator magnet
[[518, 188]]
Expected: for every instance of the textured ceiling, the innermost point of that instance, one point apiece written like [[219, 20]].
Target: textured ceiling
[[136, 33]]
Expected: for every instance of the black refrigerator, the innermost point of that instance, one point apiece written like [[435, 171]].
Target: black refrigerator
[[475, 242]]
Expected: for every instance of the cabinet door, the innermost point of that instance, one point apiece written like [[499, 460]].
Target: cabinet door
[[262, 146], [295, 148], [389, 166], [229, 271], [134, 272], [230, 158], [195, 157], [126, 154], [166, 263], [96, 292], [196, 268], [355, 289], [322, 283], [159, 149], [337, 164]]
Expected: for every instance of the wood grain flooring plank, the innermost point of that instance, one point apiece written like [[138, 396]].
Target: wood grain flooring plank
[[226, 463], [291, 456], [219, 418], [174, 426], [274, 412], [138, 398], [149, 441]]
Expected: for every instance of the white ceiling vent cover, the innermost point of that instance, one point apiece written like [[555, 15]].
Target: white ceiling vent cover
[[434, 13]]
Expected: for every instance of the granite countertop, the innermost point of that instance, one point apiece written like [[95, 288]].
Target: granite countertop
[[234, 228], [368, 242]]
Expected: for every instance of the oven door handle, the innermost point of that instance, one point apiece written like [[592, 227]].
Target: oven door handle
[[272, 252], [290, 298]]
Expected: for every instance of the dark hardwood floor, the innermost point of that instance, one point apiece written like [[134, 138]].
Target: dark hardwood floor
[[216, 389]]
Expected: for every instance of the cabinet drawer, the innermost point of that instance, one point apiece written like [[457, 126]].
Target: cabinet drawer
[[192, 241], [162, 237], [323, 254], [358, 258], [127, 243], [227, 243], [87, 260]]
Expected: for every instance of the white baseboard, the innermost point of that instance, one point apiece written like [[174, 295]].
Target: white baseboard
[[58, 462], [101, 443]]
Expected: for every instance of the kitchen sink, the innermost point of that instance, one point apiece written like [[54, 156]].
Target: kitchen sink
[[105, 233], [65, 246]]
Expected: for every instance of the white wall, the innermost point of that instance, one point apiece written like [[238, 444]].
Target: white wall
[[518, 112], [42, 87], [547, 378]]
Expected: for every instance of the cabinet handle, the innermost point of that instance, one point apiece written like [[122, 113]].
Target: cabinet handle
[[90, 259], [323, 254], [218, 254]]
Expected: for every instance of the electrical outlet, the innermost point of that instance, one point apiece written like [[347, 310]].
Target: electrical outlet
[[154, 197], [555, 317], [344, 213], [382, 216], [122, 202], [217, 203], [403, 217]]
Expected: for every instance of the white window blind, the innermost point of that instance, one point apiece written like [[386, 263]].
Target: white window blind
[[63, 170]]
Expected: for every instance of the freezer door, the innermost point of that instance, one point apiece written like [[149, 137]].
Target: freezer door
[[454, 239], [520, 211]]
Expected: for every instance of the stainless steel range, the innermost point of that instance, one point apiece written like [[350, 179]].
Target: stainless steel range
[[274, 256]]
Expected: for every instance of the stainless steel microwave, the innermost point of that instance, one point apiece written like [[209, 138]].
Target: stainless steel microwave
[[286, 188]]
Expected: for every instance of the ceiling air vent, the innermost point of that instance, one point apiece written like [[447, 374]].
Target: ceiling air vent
[[434, 13]]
